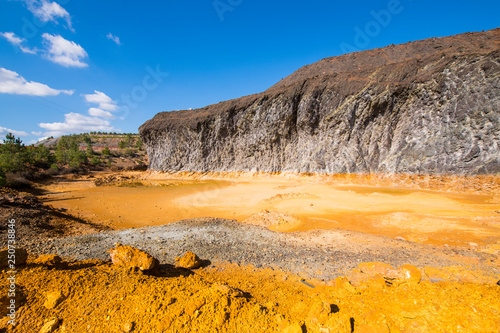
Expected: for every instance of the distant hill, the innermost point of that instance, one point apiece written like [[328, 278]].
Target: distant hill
[[126, 150], [99, 141]]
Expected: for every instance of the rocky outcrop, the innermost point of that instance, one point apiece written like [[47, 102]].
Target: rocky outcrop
[[130, 257], [430, 106]]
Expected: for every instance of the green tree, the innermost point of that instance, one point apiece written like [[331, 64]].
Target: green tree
[[87, 139], [122, 144], [138, 144], [90, 151], [13, 154], [106, 151], [77, 158], [40, 157], [95, 160], [62, 153]]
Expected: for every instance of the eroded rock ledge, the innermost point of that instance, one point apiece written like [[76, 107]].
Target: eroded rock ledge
[[430, 106]]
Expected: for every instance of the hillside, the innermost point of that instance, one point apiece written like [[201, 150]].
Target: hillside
[[430, 106], [126, 150]]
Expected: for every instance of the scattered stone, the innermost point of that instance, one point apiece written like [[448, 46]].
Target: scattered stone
[[377, 268], [53, 299], [50, 326], [189, 261], [321, 310], [130, 257], [294, 328], [406, 274], [411, 274], [128, 327], [228, 290], [48, 259], [343, 282], [21, 255]]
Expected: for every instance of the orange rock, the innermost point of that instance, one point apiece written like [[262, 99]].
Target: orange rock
[[376, 268], [411, 274], [343, 282], [130, 257], [48, 259], [128, 327], [189, 261], [228, 290], [50, 326], [53, 299], [294, 328]]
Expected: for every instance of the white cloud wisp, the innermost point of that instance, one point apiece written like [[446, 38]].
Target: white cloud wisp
[[17, 41], [104, 101], [14, 84], [47, 11], [4, 131], [77, 123], [115, 39], [64, 52]]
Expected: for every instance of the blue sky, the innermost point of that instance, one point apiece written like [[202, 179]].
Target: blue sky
[[76, 66]]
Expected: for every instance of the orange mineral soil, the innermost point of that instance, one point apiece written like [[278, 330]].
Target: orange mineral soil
[[461, 211], [98, 296], [94, 296]]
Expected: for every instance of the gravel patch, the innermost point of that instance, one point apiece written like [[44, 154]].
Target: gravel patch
[[320, 254]]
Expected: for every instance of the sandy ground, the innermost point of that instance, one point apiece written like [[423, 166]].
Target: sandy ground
[[442, 215]]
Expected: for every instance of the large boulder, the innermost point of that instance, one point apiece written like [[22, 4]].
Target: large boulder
[[130, 257]]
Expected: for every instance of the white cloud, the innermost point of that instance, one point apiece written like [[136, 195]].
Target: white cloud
[[95, 112], [77, 123], [64, 52], [103, 100], [17, 41], [36, 133], [114, 38], [4, 131], [14, 84], [47, 11]]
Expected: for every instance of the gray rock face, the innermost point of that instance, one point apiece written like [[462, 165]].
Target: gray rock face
[[430, 106]]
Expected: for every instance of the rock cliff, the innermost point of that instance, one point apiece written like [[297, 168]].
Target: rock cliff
[[430, 106]]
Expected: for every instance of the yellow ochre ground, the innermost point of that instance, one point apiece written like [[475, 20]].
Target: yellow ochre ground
[[96, 296], [423, 209]]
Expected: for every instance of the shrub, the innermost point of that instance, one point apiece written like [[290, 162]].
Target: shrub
[[95, 160], [106, 151], [52, 172], [3, 181], [129, 152], [17, 181], [90, 151]]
